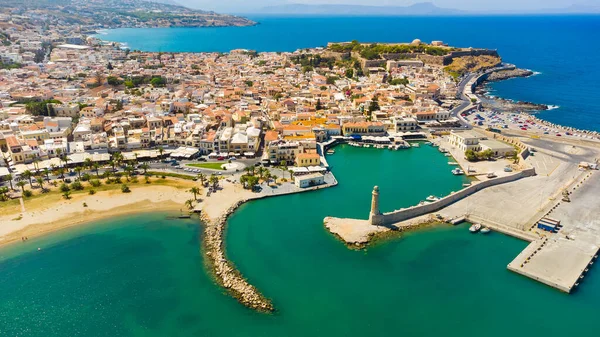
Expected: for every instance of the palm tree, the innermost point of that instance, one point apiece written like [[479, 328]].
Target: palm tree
[[202, 178], [145, 167], [87, 163], [21, 184], [274, 178], [96, 167], [214, 180], [128, 171], [9, 178], [40, 182], [291, 174], [189, 203], [47, 173], [78, 169], [36, 162], [28, 175], [161, 151], [67, 194], [61, 173], [195, 191], [3, 191]]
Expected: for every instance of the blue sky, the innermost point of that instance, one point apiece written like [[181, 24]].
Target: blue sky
[[477, 5]]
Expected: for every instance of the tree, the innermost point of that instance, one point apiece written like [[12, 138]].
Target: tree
[[331, 80], [78, 169], [214, 180], [3, 192], [202, 178], [145, 167], [21, 184], [96, 167], [319, 106], [189, 203], [349, 73], [195, 191], [125, 188], [114, 81], [161, 150], [9, 178], [374, 106], [249, 83], [67, 195], [40, 182], [98, 79], [128, 170], [109, 66], [47, 173], [28, 175], [158, 81]]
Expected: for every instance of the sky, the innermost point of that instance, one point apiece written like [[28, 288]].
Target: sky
[[238, 6]]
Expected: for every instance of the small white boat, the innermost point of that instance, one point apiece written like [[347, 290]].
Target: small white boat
[[432, 198], [475, 228], [447, 155], [458, 172], [452, 163], [466, 184], [485, 230], [415, 145], [330, 151]]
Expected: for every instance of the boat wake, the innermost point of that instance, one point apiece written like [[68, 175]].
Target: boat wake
[[553, 107]]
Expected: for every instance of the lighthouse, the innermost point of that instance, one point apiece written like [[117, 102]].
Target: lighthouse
[[375, 217]]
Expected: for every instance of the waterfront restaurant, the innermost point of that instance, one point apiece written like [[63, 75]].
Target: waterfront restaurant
[[309, 180]]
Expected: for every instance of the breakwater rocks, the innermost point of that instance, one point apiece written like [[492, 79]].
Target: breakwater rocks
[[508, 73], [224, 271]]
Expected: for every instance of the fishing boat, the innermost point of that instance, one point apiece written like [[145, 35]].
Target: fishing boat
[[475, 228], [452, 163], [415, 145], [330, 151], [432, 198], [466, 184], [458, 172], [485, 230]]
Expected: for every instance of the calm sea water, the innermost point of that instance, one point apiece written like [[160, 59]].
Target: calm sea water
[[564, 49], [144, 276]]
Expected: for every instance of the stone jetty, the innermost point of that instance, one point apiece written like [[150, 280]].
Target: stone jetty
[[225, 273]]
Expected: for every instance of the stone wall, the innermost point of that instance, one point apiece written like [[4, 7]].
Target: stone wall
[[408, 213]]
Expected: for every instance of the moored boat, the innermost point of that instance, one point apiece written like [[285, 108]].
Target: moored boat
[[432, 198], [458, 172], [485, 230], [475, 228]]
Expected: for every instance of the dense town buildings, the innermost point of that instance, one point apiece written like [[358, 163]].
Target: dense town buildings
[[63, 92]]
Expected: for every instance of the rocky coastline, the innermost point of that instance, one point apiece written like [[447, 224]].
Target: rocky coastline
[[507, 105], [224, 271], [506, 74]]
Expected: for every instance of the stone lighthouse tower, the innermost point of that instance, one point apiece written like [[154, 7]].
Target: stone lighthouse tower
[[375, 217]]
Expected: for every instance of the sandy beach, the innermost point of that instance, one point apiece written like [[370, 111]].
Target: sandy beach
[[40, 218]]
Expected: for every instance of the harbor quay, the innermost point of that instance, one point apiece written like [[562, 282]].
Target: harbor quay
[[549, 202]]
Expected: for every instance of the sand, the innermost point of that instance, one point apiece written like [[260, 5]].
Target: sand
[[39, 219]]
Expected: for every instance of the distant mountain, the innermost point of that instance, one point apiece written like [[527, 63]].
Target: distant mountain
[[165, 2], [423, 8]]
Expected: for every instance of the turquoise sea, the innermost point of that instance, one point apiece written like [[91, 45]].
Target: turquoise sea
[[143, 275], [563, 49]]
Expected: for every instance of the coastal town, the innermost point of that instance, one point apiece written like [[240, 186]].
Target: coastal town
[[90, 129]]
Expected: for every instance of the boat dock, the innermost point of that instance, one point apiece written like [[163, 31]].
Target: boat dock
[[556, 261]]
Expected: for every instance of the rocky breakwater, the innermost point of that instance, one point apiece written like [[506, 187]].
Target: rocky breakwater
[[224, 271], [502, 75]]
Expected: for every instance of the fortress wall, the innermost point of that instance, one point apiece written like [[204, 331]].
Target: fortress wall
[[408, 213]]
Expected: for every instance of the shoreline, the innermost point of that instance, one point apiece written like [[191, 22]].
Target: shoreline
[[507, 105], [39, 220]]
